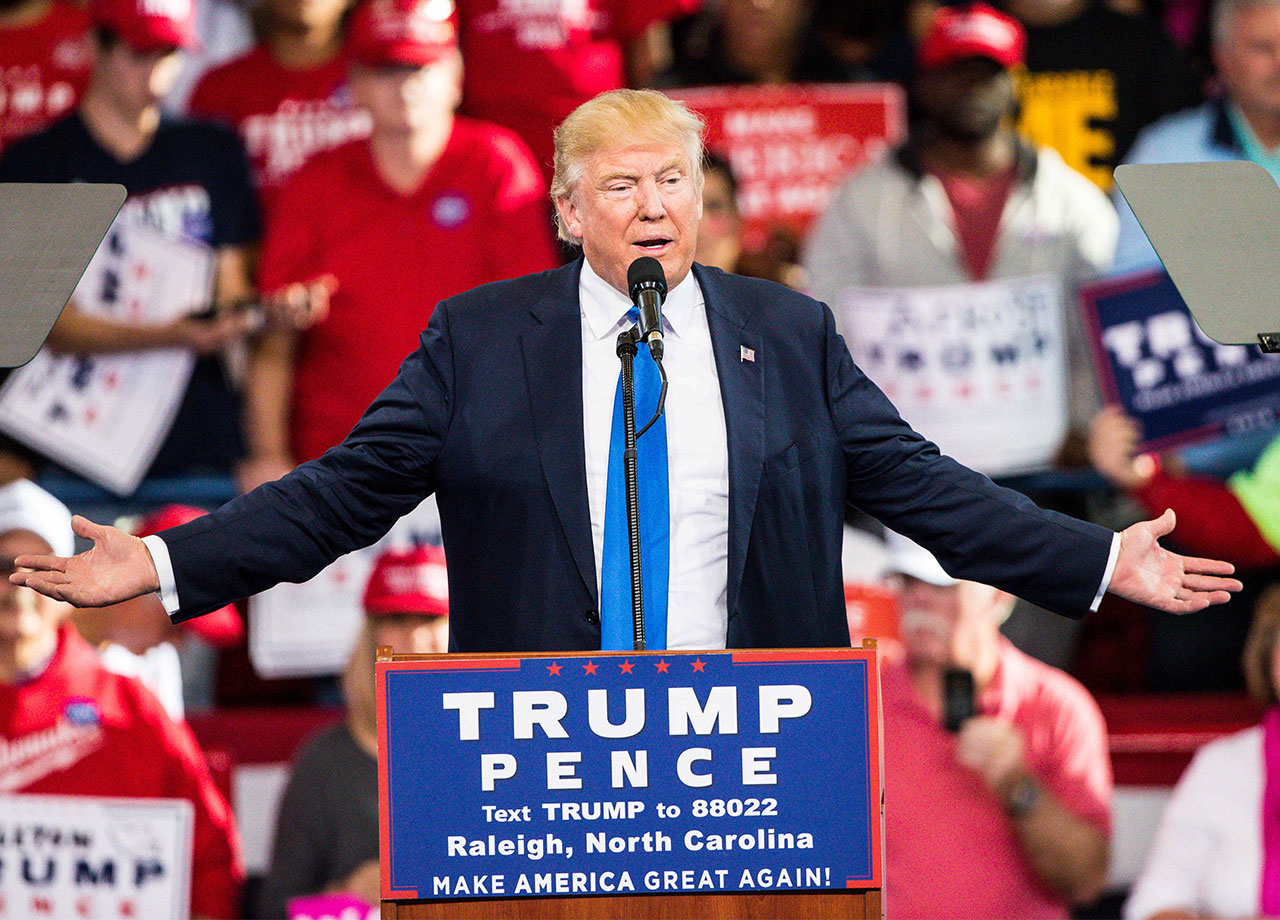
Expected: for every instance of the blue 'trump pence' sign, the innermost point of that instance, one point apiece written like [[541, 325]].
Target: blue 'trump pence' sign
[[684, 772], [1156, 362]]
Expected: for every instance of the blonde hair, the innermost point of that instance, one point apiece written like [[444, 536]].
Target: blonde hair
[[1260, 647], [606, 121]]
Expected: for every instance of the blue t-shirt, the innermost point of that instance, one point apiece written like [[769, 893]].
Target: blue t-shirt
[[193, 182]]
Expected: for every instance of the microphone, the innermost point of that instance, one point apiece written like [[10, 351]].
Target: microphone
[[647, 283]]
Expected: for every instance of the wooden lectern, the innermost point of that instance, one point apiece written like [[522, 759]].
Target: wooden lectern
[[440, 715]]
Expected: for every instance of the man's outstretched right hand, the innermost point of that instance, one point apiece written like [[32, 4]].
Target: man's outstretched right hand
[[117, 568]]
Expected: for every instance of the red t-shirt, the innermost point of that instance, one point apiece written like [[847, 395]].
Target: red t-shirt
[[480, 216], [284, 115], [78, 729], [978, 204], [950, 849], [565, 52], [44, 68]]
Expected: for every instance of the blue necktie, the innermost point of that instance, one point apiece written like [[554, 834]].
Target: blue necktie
[[616, 630]]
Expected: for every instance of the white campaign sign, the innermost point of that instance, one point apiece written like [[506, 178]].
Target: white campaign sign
[[72, 857], [978, 368], [308, 629], [105, 416]]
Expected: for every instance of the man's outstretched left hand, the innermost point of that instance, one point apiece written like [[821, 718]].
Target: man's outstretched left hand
[[1149, 574]]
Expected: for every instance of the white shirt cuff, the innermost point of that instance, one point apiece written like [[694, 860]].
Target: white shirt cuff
[[164, 569], [1106, 575]]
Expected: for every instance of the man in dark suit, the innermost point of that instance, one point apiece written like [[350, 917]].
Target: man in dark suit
[[503, 411]]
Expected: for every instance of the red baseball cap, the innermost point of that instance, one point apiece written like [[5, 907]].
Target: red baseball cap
[[977, 30], [148, 25], [409, 581], [413, 32], [222, 628]]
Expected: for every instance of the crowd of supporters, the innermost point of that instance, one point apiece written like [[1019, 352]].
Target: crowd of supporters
[[343, 165]]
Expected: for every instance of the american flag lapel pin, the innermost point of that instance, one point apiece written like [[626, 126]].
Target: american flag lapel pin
[[746, 354]]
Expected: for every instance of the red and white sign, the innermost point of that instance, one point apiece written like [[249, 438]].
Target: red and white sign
[[105, 416], [89, 858], [980, 368], [790, 146]]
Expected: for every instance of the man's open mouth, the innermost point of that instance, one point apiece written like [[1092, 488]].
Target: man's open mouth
[[656, 242]]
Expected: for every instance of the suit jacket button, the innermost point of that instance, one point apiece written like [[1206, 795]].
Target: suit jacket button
[[592, 617]]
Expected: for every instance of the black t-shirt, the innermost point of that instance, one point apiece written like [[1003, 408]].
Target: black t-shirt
[[192, 181], [327, 825], [1093, 83]]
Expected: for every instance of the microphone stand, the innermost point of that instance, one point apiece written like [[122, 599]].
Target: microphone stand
[[627, 343]]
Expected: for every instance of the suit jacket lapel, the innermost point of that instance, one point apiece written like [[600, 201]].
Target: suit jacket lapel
[[742, 392], [552, 350]]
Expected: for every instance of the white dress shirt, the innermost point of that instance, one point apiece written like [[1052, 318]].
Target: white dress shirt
[[697, 450]]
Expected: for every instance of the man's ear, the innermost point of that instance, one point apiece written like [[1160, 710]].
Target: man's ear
[[454, 59], [568, 212]]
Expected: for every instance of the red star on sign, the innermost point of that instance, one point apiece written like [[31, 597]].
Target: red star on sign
[[699, 664], [590, 667], [626, 667], [554, 669], [663, 666], [140, 271], [127, 909]]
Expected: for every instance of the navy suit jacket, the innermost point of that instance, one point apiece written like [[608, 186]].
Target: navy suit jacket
[[487, 413]]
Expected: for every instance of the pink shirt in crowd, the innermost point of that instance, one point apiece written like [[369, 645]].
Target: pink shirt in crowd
[[951, 851], [977, 204]]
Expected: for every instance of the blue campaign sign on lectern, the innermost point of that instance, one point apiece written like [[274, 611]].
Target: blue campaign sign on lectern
[[614, 774]]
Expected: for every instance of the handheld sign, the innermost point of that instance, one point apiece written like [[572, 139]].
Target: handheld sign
[[67, 857], [105, 416], [748, 771], [791, 145], [1153, 359]]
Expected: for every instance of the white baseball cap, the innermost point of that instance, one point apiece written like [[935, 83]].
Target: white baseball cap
[[26, 506], [914, 561]]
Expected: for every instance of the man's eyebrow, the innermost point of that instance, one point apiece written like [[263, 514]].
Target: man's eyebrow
[[614, 176], [674, 163]]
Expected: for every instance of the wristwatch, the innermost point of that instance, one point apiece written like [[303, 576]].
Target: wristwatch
[[1024, 797]]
